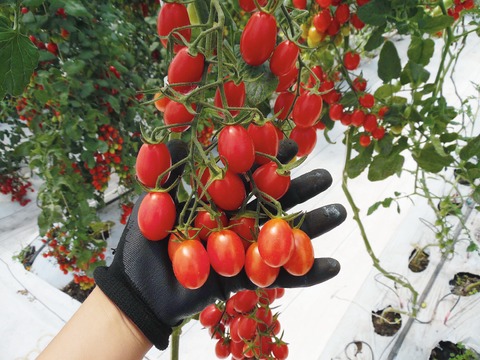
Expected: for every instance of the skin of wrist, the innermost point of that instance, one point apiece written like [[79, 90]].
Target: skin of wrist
[[98, 330]]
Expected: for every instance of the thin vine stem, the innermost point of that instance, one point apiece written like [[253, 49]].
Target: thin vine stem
[[358, 220]]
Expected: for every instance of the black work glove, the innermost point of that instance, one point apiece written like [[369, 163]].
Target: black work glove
[[142, 284]]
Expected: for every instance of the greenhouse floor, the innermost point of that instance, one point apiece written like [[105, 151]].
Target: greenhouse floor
[[329, 321]]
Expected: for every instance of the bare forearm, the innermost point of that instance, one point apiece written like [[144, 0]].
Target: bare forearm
[[98, 330]]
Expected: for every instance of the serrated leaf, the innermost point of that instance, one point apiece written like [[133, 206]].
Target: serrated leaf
[[383, 167], [430, 160], [389, 66], [471, 149], [18, 59], [434, 24], [420, 50]]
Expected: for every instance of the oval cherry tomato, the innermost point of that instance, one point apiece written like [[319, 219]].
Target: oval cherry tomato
[[161, 102], [206, 223], [170, 17], [236, 148], [176, 238], [342, 13], [306, 139], [156, 215], [226, 252], [358, 117], [324, 3], [257, 269], [270, 182], [265, 140], [280, 351], [284, 57], [258, 39], [307, 109], [152, 160], [275, 242], [190, 264], [177, 113], [283, 104], [247, 328], [245, 301], [210, 316], [185, 68], [222, 349], [227, 193], [244, 226], [302, 257], [287, 80], [336, 112], [235, 95], [322, 20], [351, 60], [299, 4]]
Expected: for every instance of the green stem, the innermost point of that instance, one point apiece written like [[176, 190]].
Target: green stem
[[448, 42], [368, 246], [175, 343]]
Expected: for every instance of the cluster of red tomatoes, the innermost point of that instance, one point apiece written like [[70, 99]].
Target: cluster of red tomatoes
[[67, 262], [333, 17], [111, 157], [126, 211], [458, 6], [16, 186], [245, 326]]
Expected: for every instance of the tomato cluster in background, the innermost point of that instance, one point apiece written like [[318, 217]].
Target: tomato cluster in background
[[15, 185], [77, 262]]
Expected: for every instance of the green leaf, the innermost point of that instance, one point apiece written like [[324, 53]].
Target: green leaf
[[359, 163], [471, 149], [383, 167], [386, 91], [50, 214], [32, 3], [432, 25], [414, 74], [18, 59], [430, 160], [374, 12], [421, 50], [376, 39], [389, 66], [75, 8], [261, 87], [73, 67], [114, 103]]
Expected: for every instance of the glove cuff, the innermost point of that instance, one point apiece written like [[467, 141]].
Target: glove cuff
[[123, 296]]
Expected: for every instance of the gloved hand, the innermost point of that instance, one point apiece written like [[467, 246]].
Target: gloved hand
[[141, 282]]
